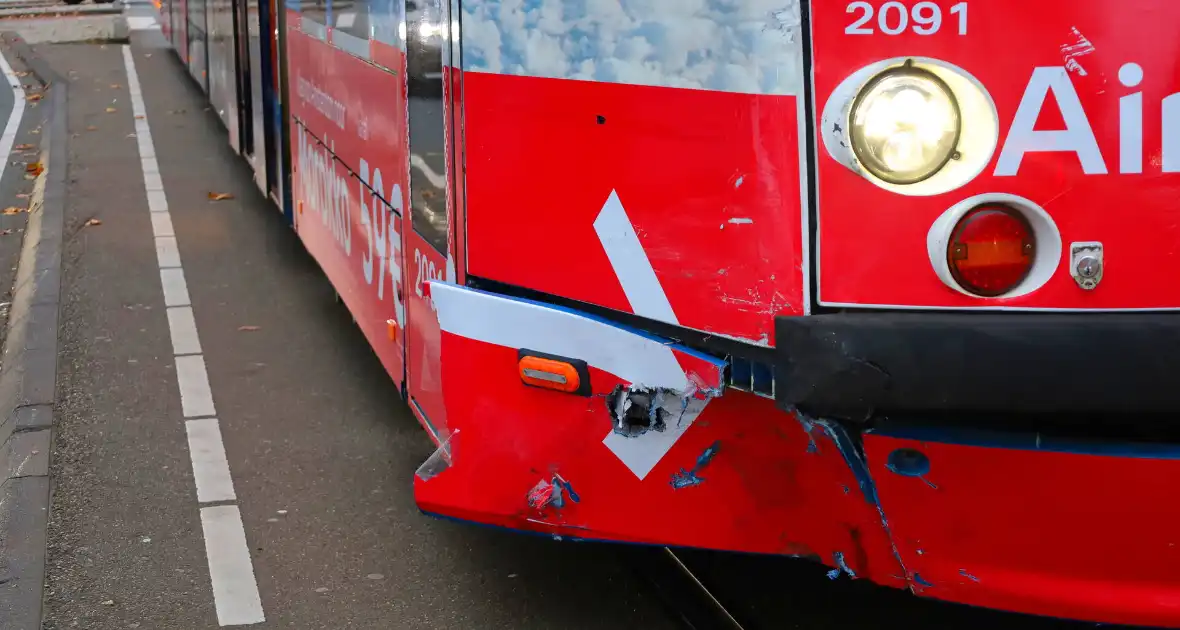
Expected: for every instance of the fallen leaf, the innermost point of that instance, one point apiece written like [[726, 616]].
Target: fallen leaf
[[249, 328], [22, 195], [216, 196], [140, 117], [25, 147], [34, 167], [91, 128], [34, 97], [115, 86], [24, 73], [5, 232], [12, 210], [94, 222], [111, 109]]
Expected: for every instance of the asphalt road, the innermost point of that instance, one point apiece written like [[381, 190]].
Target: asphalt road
[[15, 187], [321, 449]]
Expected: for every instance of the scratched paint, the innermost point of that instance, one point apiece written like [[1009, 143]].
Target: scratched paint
[[691, 477], [1070, 53], [921, 581], [552, 493], [841, 567]]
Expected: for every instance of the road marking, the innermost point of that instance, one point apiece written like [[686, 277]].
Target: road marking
[[162, 224], [196, 397], [18, 109], [183, 327], [175, 289], [167, 252], [231, 571], [235, 594], [141, 23], [152, 181], [210, 467], [157, 202]]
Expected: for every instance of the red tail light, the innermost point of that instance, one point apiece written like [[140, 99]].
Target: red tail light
[[991, 250]]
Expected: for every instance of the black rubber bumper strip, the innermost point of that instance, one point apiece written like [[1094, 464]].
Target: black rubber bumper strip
[[855, 365]]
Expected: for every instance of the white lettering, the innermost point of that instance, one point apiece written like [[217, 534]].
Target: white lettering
[[321, 101], [894, 18], [323, 187], [1077, 137], [1171, 133], [1131, 121]]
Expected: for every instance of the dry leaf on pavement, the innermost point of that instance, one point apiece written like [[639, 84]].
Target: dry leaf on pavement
[[34, 97], [94, 222], [217, 196], [111, 109], [34, 168], [25, 147], [5, 232], [249, 328], [12, 210]]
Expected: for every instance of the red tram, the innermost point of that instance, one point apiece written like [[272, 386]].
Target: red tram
[[810, 278]]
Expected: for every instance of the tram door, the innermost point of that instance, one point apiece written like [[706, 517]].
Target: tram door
[[249, 49], [428, 240]]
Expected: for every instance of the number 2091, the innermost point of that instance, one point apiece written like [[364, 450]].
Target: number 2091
[[895, 18]]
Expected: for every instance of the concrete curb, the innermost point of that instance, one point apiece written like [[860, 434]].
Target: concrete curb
[[28, 369], [61, 11], [92, 28]]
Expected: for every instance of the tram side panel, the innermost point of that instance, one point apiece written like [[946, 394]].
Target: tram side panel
[[349, 176]]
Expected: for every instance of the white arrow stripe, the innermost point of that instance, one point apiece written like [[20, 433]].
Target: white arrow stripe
[[629, 261], [513, 323], [647, 298]]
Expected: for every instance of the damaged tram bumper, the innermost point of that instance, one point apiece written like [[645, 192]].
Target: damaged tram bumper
[[656, 450]]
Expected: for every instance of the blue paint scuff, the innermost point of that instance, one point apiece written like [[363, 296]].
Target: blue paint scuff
[[841, 567], [688, 478], [921, 580], [964, 573]]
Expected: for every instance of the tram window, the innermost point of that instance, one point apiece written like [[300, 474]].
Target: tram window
[[314, 10], [427, 22], [351, 25], [385, 17]]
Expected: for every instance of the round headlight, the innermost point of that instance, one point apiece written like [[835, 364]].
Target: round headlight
[[904, 125]]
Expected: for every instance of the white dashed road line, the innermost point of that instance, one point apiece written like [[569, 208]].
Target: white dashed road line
[[18, 109], [231, 572]]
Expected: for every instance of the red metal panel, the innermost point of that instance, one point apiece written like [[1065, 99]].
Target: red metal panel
[[709, 180], [742, 476], [348, 187], [873, 242], [1059, 533]]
